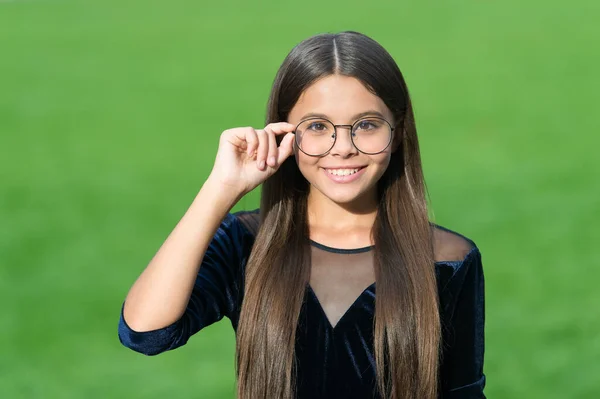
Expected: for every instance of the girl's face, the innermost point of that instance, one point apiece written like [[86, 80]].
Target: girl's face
[[342, 100]]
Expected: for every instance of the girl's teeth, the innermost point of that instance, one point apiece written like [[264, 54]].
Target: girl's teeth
[[342, 172]]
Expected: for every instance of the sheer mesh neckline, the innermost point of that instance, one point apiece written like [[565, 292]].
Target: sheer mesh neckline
[[449, 246], [342, 250]]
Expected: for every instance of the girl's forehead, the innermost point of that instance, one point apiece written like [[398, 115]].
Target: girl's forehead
[[339, 98]]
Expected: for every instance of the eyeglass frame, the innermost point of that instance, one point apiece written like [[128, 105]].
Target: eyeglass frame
[[351, 127]]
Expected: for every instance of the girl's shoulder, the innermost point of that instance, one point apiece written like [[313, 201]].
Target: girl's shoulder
[[450, 246], [457, 260], [250, 220]]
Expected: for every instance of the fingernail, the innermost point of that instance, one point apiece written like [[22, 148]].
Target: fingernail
[[272, 161], [261, 164]]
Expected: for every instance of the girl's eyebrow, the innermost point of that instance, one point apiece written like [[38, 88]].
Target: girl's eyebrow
[[355, 117]]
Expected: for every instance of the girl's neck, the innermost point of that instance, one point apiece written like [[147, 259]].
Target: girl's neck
[[324, 214]]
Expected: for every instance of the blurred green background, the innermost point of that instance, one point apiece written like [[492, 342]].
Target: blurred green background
[[109, 121]]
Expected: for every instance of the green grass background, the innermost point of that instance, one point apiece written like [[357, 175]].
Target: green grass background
[[109, 120]]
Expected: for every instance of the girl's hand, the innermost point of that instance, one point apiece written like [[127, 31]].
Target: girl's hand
[[247, 157]]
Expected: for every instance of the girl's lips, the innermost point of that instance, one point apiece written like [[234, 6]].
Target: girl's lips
[[347, 178]]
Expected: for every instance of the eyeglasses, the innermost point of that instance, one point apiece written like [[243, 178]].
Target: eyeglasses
[[316, 136]]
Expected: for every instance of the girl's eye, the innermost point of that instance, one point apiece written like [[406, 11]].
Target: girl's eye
[[366, 125], [318, 126]]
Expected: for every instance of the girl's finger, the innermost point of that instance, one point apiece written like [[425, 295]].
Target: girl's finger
[[252, 140], [286, 147], [281, 128], [272, 154], [263, 149]]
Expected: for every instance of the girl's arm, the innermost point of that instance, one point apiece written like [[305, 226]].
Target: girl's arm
[[161, 293], [151, 318], [462, 362]]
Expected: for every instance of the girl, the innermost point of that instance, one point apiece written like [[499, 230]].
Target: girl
[[342, 236]]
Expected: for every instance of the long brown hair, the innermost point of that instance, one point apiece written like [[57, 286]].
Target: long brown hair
[[407, 325]]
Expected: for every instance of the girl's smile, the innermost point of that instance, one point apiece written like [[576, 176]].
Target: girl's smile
[[344, 174]]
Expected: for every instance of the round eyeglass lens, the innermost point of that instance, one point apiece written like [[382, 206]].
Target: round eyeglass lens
[[371, 135], [315, 136]]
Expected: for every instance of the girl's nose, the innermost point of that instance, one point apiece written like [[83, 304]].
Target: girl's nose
[[343, 145]]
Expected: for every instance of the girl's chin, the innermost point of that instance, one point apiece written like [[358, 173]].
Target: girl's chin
[[344, 196]]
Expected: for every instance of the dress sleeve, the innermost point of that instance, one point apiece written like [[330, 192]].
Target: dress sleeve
[[462, 374], [216, 293]]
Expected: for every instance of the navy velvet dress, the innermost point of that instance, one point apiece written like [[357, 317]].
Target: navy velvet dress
[[334, 361]]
